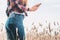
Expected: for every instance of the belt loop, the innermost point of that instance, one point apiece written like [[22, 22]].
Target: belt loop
[[14, 14]]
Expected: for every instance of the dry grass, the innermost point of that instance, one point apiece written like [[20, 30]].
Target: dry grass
[[33, 34], [41, 36], [45, 35]]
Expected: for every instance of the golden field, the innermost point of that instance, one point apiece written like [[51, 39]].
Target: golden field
[[34, 34]]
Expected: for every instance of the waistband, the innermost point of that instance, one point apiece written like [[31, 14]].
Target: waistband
[[17, 13], [14, 14]]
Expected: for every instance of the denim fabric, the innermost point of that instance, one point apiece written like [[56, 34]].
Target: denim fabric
[[15, 21]]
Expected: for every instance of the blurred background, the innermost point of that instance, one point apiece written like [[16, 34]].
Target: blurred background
[[46, 20]]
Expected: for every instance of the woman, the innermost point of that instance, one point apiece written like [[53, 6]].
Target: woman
[[16, 10]]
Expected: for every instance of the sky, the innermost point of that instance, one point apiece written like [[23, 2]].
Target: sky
[[48, 11]]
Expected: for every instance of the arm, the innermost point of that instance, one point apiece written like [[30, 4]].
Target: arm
[[34, 8]]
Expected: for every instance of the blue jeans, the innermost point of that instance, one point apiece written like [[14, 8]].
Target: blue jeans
[[15, 21]]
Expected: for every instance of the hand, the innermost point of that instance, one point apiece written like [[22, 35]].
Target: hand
[[35, 7]]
